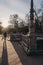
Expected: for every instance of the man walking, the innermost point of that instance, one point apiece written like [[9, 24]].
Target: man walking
[[4, 36]]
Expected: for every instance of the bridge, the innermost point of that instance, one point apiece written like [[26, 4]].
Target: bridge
[[11, 53]]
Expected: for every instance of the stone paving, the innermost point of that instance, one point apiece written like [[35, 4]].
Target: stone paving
[[12, 53]]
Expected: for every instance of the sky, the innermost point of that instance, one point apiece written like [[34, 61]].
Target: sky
[[20, 7]]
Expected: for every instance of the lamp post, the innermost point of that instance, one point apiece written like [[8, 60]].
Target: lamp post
[[31, 26], [31, 16]]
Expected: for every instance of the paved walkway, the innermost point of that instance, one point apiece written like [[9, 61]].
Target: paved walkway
[[11, 53]]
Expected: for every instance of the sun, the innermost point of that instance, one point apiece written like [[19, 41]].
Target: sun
[[5, 24]]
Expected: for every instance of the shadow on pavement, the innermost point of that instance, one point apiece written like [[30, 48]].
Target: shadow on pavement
[[4, 55]]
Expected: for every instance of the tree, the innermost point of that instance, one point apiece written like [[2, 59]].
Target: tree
[[13, 20], [42, 5], [14, 23], [21, 24], [38, 28], [27, 18]]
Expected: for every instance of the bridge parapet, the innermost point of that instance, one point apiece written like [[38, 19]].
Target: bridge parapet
[[25, 43], [23, 39], [15, 37]]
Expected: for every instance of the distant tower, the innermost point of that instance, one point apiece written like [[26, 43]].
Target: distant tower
[[31, 27]]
